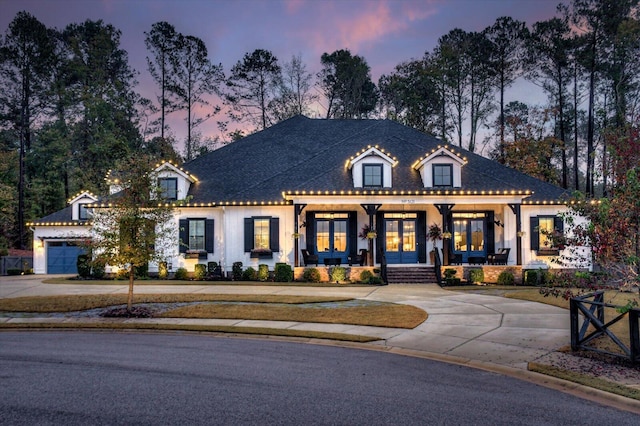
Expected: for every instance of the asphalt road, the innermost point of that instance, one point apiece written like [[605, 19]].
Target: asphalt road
[[76, 377]]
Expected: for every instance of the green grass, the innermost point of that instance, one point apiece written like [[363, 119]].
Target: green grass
[[586, 380]]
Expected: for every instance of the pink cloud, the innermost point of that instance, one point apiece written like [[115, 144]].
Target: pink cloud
[[369, 23]]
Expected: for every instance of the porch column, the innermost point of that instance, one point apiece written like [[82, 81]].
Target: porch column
[[297, 209], [515, 208], [371, 210], [444, 210]]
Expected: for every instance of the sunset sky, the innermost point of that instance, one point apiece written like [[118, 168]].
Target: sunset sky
[[384, 32]]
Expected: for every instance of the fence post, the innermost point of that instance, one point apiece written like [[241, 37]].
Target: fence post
[[634, 335], [574, 317]]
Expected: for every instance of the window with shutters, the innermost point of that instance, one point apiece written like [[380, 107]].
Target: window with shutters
[[261, 236], [547, 235], [196, 236]]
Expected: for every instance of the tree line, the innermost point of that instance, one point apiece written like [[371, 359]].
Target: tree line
[[70, 111]]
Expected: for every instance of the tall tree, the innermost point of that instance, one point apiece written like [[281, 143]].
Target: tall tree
[[481, 83], [410, 95], [548, 59], [507, 37], [294, 91], [99, 82], [452, 52], [25, 65], [162, 43], [252, 87], [195, 77], [345, 81]]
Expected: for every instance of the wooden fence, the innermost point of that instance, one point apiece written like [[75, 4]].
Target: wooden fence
[[591, 308], [24, 263]]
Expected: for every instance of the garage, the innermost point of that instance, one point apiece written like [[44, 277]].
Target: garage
[[62, 257]]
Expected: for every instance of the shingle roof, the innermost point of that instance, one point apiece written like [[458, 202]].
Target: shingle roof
[[309, 154], [60, 217]]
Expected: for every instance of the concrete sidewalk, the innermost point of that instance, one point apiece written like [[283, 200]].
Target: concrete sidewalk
[[466, 327]]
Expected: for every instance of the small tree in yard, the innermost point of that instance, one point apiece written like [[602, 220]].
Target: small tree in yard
[[612, 225], [135, 227]]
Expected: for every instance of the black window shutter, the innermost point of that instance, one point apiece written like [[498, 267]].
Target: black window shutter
[[535, 236], [183, 224], [274, 234], [380, 235], [310, 234], [208, 235], [558, 224], [248, 234], [421, 241], [491, 233], [353, 233]]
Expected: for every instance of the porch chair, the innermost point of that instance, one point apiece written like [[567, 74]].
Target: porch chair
[[358, 258], [500, 258], [308, 258]]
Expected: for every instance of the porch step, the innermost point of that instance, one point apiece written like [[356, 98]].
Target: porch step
[[411, 275]]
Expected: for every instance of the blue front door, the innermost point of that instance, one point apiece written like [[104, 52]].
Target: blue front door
[[332, 237], [400, 240], [469, 237]]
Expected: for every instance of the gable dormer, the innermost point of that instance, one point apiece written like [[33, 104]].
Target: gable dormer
[[372, 167], [174, 181], [79, 203], [441, 168]]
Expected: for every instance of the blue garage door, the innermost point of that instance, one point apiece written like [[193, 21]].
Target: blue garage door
[[62, 257]]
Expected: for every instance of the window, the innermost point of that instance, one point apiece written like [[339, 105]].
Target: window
[[372, 175], [168, 188], [196, 234], [83, 212], [261, 233], [546, 235], [442, 175]]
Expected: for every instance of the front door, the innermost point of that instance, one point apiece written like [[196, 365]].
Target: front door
[[400, 238], [331, 236], [469, 235]]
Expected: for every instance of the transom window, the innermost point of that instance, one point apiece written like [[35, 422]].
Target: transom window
[[442, 175], [196, 234], [261, 233], [372, 175], [168, 188]]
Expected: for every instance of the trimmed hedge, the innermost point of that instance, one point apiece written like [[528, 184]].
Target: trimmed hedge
[[311, 275], [283, 273]]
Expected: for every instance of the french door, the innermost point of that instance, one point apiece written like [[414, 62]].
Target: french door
[[400, 237], [469, 235]]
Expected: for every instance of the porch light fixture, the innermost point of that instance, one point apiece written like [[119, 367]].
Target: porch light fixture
[[521, 234], [446, 235]]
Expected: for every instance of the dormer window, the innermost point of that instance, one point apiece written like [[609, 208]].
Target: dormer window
[[372, 167], [442, 175], [83, 212], [441, 168], [372, 175], [168, 188]]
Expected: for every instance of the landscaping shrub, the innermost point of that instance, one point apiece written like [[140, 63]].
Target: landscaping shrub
[[200, 271], [375, 280], [84, 266], [250, 274], [163, 271], [236, 271], [14, 271], [311, 275], [338, 273], [506, 277], [283, 273], [263, 272], [365, 276], [450, 273], [181, 274], [476, 276], [4, 252], [531, 278], [142, 271], [211, 267], [97, 270]]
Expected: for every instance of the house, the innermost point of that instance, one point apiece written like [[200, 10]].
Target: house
[[313, 184]]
